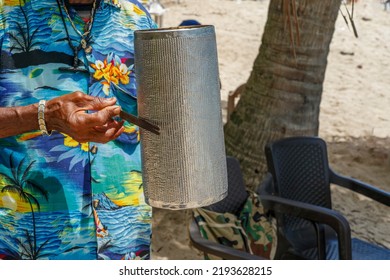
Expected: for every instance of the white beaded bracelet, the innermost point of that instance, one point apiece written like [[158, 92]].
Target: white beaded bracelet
[[41, 118]]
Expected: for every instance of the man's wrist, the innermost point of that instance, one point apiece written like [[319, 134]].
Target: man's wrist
[[42, 119]]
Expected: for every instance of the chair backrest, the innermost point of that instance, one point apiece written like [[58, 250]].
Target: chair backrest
[[237, 193], [300, 168]]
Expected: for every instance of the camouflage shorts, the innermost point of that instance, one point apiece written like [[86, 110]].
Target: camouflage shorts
[[252, 231]]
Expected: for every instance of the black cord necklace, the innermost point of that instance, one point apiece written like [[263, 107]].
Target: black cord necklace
[[85, 37]]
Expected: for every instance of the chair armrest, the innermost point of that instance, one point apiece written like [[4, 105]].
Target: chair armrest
[[266, 185], [316, 214], [217, 249], [360, 187]]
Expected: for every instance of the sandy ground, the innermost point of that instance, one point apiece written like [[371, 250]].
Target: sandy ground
[[355, 115]]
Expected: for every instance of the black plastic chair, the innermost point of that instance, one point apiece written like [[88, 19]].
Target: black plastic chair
[[232, 203], [297, 192]]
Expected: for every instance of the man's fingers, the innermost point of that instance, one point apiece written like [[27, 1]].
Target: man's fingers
[[101, 117], [102, 134], [98, 103], [112, 124], [110, 134]]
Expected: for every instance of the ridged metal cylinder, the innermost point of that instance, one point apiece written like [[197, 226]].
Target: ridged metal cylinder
[[179, 90]]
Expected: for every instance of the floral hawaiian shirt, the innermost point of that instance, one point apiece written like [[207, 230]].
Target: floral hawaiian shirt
[[60, 199]]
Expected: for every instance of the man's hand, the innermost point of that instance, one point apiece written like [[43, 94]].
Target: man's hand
[[68, 114]]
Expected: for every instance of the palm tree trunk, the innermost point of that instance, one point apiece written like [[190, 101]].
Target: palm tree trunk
[[283, 93], [34, 249]]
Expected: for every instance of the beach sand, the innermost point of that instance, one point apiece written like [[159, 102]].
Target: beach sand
[[354, 117]]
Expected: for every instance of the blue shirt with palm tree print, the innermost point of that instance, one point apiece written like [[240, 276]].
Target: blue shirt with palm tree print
[[60, 199]]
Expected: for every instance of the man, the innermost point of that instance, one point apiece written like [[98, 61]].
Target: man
[[70, 170]]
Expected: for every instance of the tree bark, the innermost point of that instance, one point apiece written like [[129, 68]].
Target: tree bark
[[283, 93]]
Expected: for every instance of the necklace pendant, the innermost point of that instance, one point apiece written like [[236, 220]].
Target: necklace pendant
[[83, 43], [88, 49]]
